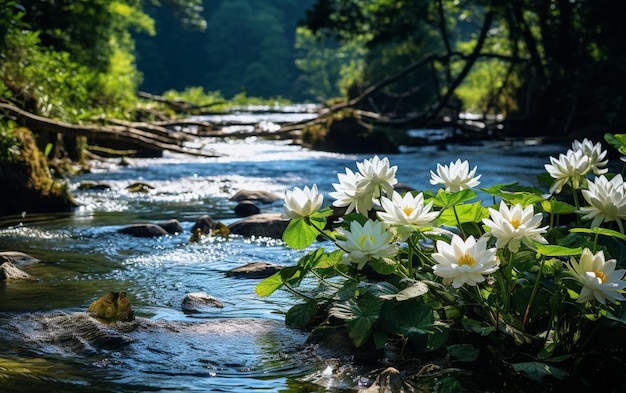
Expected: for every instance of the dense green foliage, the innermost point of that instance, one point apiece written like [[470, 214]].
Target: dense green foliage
[[72, 59], [247, 47], [553, 66]]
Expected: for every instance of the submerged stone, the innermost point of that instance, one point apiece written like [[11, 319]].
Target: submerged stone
[[265, 224], [198, 301], [254, 270]]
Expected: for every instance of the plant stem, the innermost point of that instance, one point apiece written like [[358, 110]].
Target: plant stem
[[458, 222], [534, 292]]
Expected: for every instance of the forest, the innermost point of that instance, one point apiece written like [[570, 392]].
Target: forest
[[521, 68]]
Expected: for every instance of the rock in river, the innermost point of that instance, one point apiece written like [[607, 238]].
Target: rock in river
[[265, 224]]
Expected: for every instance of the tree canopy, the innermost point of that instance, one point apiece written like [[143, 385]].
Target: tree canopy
[[552, 67]]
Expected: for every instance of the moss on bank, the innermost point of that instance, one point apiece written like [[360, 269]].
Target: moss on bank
[[27, 185]]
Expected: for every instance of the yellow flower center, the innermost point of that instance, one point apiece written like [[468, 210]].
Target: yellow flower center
[[600, 275], [515, 223], [364, 238], [466, 260], [408, 210]]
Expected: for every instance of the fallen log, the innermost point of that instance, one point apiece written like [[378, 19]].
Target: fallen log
[[174, 142]]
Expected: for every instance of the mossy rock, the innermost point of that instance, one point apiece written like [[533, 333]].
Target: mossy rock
[[112, 307], [25, 176], [344, 133]]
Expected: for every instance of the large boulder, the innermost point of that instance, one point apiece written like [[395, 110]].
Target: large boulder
[[265, 225], [25, 177]]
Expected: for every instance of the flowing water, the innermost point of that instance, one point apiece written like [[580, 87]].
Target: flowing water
[[49, 343]]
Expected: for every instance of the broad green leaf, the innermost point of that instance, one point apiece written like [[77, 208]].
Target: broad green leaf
[[310, 260], [472, 325], [474, 212], [299, 234], [448, 199], [269, 285], [380, 339], [497, 188], [618, 141], [329, 260], [550, 250], [290, 274], [381, 288], [409, 318], [384, 266], [301, 314], [558, 207], [416, 289], [359, 330], [464, 352], [359, 316], [522, 198], [537, 370], [600, 231]]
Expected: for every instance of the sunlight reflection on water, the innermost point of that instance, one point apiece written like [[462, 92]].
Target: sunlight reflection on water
[[86, 257]]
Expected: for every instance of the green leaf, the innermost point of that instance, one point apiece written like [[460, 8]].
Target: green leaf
[[523, 198], [474, 212], [497, 188], [600, 231], [464, 352], [299, 234], [618, 141], [301, 314], [410, 318], [448, 199], [537, 370], [380, 339], [359, 316], [269, 285], [384, 266], [310, 260], [472, 325], [416, 289], [557, 207], [550, 250]]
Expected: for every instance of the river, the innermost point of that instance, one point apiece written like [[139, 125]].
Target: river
[[243, 347]]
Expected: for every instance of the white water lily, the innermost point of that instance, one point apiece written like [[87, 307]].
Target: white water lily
[[595, 154], [407, 210], [350, 192], [599, 278], [569, 168], [464, 262], [370, 240], [455, 177], [302, 202], [607, 200], [511, 226], [378, 176]]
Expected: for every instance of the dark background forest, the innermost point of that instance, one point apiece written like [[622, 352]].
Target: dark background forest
[[547, 67]]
